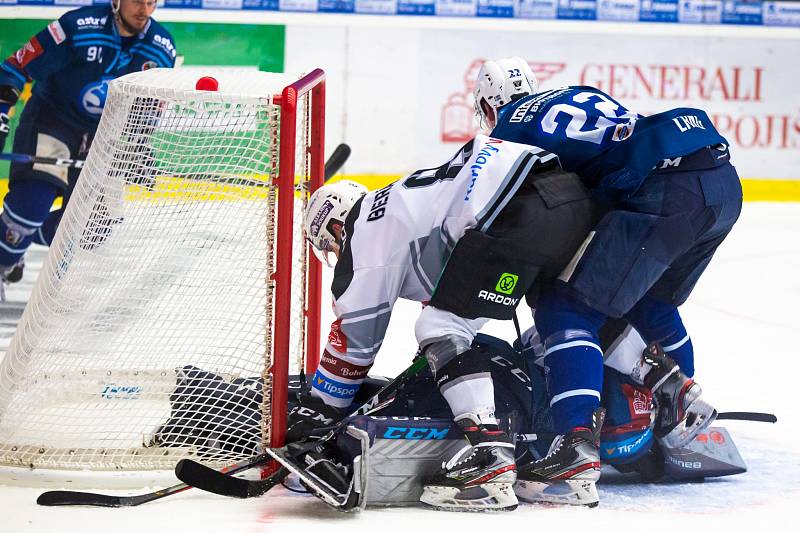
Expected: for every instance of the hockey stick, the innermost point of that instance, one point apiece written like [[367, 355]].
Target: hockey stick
[[748, 416], [68, 497], [35, 159], [334, 163], [211, 480], [337, 160]]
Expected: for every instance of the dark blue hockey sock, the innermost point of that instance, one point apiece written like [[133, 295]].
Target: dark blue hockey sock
[[25, 207], [44, 235], [573, 358], [658, 321]]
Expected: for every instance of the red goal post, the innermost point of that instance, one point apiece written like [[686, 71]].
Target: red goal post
[[315, 83]]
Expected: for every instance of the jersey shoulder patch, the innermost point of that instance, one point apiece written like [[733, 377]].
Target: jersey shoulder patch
[[56, 31]]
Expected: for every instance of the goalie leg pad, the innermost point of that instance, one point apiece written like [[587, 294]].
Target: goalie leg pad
[[712, 453]]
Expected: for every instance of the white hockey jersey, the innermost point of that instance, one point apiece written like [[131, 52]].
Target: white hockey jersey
[[396, 243]]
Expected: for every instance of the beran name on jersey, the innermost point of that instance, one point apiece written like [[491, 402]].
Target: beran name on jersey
[[378, 208]]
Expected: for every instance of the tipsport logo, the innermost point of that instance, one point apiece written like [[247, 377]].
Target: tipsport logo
[[507, 283], [335, 388]]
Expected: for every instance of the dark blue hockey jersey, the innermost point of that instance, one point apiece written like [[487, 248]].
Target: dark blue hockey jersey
[[72, 59], [611, 148]]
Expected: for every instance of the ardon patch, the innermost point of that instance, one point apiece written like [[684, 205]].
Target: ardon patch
[[506, 283]]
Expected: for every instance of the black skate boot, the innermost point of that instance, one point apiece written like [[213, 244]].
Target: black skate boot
[[12, 274], [480, 477], [15, 274], [681, 413], [570, 470]]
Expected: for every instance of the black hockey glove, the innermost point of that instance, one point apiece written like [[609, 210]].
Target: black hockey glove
[[311, 419], [8, 97], [4, 120]]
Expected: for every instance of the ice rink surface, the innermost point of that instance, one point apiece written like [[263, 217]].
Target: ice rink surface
[[744, 321]]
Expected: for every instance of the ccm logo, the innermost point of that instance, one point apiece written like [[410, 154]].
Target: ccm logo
[[415, 433]]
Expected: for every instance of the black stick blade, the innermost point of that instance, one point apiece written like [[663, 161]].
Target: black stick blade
[[67, 497], [336, 160], [750, 417], [210, 480]]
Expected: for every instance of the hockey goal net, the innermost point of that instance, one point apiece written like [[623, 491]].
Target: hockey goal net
[[177, 295]]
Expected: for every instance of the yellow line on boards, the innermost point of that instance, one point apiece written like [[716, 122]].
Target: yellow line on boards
[[755, 190]]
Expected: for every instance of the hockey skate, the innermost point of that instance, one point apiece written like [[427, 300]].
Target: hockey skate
[[479, 477], [682, 413], [12, 274], [570, 470]]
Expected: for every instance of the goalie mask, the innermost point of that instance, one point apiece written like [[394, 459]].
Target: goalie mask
[[499, 83], [328, 206]]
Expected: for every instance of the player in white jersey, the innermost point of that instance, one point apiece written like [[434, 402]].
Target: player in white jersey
[[470, 239]]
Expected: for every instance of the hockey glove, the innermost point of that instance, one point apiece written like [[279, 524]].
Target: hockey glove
[[8, 97], [4, 120], [311, 419]]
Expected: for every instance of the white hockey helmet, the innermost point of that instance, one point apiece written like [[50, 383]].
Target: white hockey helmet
[[329, 205], [499, 83]]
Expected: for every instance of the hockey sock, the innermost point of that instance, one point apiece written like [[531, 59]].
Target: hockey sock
[[573, 358], [337, 379], [24, 209], [467, 386], [44, 235], [661, 322]]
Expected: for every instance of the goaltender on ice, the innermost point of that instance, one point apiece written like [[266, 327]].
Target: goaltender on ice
[[70, 62], [499, 222]]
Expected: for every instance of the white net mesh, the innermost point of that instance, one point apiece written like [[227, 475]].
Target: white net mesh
[[149, 332]]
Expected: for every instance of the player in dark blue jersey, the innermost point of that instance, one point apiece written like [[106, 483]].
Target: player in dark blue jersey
[[70, 62], [671, 196]]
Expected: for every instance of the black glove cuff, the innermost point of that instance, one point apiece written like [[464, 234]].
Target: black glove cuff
[[8, 95]]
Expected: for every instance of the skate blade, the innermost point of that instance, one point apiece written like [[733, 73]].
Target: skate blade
[[486, 497], [569, 492], [702, 416]]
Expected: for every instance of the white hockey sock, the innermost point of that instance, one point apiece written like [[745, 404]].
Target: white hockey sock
[[471, 394]]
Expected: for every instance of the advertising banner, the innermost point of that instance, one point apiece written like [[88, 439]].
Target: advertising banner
[[743, 84], [744, 12]]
